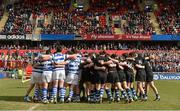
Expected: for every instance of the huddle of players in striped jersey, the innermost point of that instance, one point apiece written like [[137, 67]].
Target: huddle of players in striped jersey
[[90, 73]]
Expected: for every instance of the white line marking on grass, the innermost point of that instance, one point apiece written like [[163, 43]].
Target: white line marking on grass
[[33, 107]]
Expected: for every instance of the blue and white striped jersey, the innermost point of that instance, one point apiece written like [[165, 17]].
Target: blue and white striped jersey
[[38, 68], [58, 57], [79, 58], [47, 65], [73, 66]]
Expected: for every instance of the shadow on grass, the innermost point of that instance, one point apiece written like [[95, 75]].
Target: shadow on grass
[[12, 98]]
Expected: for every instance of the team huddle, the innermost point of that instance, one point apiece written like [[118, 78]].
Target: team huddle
[[89, 75]]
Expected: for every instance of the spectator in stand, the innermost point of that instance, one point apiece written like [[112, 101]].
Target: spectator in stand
[[18, 21], [137, 23], [167, 58], [168, 17], [165, 61]]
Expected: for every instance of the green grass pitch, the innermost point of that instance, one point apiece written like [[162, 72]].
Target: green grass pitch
[[12, 92]]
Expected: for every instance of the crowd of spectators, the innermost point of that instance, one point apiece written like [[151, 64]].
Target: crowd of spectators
[[165, 61], [26, 15], [137, 23], [168, 17], [18, 20], [76, 22], [166, 57], [93, 45]]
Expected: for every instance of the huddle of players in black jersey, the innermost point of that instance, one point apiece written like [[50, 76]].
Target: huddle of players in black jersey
[[115, 75], [96, 73]]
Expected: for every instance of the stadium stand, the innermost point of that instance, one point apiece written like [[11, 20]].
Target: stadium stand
[[101, 17], [167, 57], [98, 19], [168, 17], [18, 21]]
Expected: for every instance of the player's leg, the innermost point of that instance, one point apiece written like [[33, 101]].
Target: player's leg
[[71, 92], [92, 88], [26, 98], [88, 89], [108, 92], [98, 87], [32, 85], [155, 90], [77, 89], [62, 90], [37, 93], [53, 91], [77, 94], [140, 87], [44, 92], [147, 85], [117, 90], [133, 91], [128, 96], [103, 80], [46, 79], [72, 80]]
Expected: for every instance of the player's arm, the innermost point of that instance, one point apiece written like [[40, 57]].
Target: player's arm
[[61, 63], [91, 64], [88, 65], [140, 66], [85, 66], [106, 63], [147, 58], [36, 64], [114, 60], [83, 61], [130, 58], [123, 64], [46, 57], [120, 66], [73, 56], [99, 68]]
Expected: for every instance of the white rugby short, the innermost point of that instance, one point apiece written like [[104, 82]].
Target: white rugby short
[[36, 77], [72, 79], [59, 75], [47, 76]]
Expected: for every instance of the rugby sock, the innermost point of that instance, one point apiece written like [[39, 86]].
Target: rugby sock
[[97, 94], [44, 93], [49, 95], [71, 93], [112, 91], [92, 94], [36, 92], [117, 93], [157, 95], [108, 92], [101, 92], [123, 93], [129, 93], [133, 91], [140, 95], [77, 96], [40, 95], [144, 95], [54, 92], [62, 93]]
